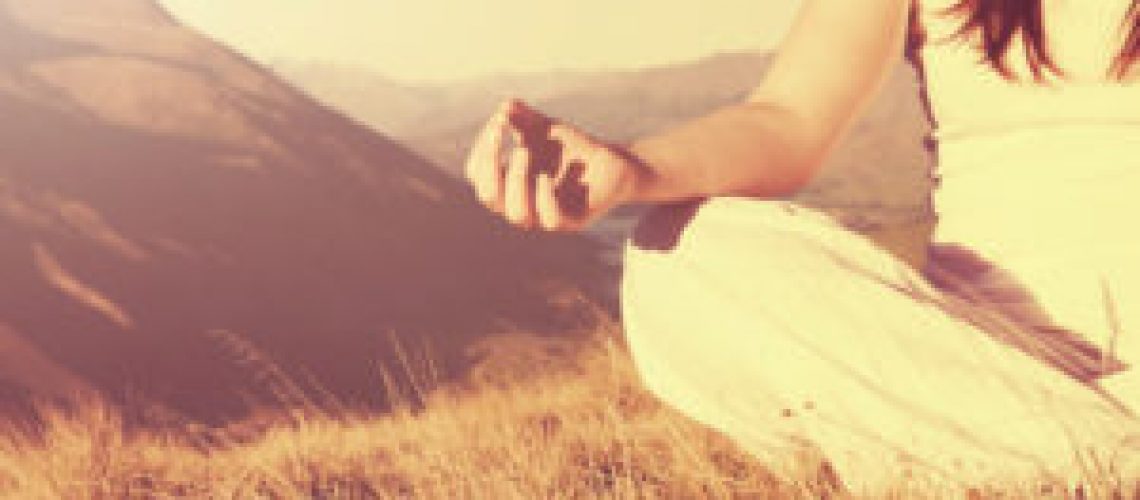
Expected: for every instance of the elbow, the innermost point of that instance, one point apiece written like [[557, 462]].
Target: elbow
[[795, 146], [791, 161], [782, 178]]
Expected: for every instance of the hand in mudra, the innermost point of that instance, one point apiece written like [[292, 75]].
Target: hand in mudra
[[537, 171]]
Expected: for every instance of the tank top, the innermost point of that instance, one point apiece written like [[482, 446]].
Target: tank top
[[1003, 142], [1042, 180]]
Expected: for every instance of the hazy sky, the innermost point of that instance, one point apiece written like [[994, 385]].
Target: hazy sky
[[445, 39]]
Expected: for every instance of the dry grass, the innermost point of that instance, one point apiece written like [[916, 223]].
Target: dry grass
[[537, 420]]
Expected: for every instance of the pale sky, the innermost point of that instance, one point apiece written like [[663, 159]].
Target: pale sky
[[419, 40]]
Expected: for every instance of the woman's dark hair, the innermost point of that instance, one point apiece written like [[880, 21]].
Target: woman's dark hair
[[996, 22]]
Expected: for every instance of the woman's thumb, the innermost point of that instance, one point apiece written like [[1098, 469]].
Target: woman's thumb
[[528, 124]]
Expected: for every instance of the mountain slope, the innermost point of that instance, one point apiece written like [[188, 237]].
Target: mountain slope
[[170, 211]]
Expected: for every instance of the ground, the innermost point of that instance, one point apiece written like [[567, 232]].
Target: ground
[[539, 419]]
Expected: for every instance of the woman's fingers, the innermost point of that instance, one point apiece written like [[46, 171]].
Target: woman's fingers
[[518, 196], [534, 154], [530, 126], [486, 163], [540, 183], [546, 205]]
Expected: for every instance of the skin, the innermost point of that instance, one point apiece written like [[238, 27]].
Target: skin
[[538, 171]]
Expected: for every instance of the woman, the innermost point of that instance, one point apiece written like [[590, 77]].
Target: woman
[[1016, 353]]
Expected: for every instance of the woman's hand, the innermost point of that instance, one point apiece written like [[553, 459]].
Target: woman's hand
[[770, 146], [540, 172]]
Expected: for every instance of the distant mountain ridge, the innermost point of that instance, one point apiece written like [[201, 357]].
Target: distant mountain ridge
[[168, 208], [436, 118], [878, 180], [887, 146]]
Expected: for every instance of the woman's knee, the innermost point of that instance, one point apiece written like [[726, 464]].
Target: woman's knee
[[685, 272], [742, 239]]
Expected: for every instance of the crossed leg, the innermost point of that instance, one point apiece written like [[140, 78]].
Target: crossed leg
[[776, 326]]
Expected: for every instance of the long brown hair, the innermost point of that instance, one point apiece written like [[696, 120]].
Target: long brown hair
[[996, 22]]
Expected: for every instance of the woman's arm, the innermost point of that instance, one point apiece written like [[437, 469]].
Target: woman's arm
[[559, 177], [831, 64]]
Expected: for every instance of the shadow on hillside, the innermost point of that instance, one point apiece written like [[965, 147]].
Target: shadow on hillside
[[132, 256]]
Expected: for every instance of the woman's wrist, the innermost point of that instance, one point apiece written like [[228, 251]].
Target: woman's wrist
[[652, 180], [638, 173]]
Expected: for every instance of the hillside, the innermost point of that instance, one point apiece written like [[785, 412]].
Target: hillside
[[176, 223]]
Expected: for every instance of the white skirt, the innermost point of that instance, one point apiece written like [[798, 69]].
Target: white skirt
[[780, 328]]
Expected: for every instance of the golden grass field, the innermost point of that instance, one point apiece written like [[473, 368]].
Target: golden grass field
[[539, 419]]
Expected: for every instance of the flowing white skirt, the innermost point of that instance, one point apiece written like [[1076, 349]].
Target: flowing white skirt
[[780, 328]]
